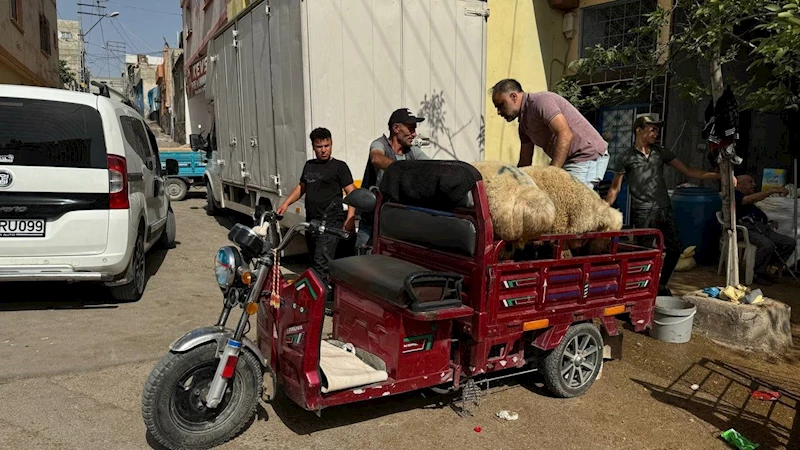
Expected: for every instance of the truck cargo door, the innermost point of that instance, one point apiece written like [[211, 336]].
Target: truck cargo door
[[444, 72], [262, 162], [229, 126], [252, 144], [286, 72]]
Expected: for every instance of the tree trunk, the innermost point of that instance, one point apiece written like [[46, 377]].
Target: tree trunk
[[726, 171]]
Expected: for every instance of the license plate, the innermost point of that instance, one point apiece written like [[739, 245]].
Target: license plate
[[22, 227]]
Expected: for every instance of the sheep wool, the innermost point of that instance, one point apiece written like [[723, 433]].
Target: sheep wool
[[578, 208], [520, 211]]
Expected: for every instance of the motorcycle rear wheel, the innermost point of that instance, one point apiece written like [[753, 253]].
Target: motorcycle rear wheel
[[172, 408]]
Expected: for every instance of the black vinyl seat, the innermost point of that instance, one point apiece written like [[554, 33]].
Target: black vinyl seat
[[386, 278], [435, 230]]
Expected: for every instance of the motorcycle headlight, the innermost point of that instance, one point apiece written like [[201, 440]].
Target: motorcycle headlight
[[225, 264]]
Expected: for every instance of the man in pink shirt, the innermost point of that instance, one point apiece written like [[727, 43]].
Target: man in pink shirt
[[549, 121]]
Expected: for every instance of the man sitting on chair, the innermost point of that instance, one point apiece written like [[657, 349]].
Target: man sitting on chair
[[761, 230]]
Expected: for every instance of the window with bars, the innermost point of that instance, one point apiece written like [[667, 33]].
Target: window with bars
[[614, 23], [44, 35]]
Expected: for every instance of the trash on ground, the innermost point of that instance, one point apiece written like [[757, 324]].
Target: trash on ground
[[695, 387], [769, 396], [507, 415], [477, 429], [737, 440]]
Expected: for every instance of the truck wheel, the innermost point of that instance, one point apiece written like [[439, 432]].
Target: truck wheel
[[212, 207], [134, 289], [176, 189], [173, 408], [571, 368]]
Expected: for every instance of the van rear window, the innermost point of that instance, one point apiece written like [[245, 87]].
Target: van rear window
[[50, 134]]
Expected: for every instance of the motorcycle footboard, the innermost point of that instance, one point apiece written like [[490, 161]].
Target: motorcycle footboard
[[432, 291]]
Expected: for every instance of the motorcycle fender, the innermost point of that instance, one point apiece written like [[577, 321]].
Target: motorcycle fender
[[200, 336]]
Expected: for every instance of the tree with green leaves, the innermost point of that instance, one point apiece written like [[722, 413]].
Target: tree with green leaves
[[763, 36], [65, 73]]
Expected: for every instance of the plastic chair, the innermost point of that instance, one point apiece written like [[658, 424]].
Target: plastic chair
[[747, 251]]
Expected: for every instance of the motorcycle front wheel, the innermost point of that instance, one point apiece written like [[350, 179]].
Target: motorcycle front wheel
[[173, 404]]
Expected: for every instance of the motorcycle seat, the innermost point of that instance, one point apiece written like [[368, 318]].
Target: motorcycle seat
[[385, 277]]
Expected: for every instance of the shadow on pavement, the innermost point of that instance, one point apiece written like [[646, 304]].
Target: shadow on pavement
[[42, 295], [228, 222], [261, 414], [724, 400], [195, 192], [303, 422]]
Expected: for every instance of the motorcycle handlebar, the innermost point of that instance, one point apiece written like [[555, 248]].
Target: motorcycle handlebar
[[292, 231], [338, 232], [267, 216], [313, 226]]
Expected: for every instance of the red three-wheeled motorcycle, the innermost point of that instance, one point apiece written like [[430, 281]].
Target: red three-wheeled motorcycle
[[439, 303]]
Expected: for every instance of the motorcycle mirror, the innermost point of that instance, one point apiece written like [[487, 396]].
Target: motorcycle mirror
[[361, 199]]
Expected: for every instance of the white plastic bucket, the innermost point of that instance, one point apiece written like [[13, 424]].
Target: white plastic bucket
[[673, 320]]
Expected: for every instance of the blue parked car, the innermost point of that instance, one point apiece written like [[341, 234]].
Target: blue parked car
[[191, 166]]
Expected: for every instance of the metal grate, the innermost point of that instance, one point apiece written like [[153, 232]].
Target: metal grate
[[613, 23]]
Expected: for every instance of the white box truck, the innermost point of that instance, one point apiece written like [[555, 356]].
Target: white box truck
[[283, 67]]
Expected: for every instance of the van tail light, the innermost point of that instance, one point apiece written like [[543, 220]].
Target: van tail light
[[117, 183]]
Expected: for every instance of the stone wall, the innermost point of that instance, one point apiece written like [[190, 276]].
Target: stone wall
[[26, 56]]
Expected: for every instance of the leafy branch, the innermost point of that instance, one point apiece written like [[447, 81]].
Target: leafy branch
[[65, 73], [764, 36]]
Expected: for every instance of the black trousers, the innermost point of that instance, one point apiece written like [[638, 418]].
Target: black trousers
[[768, 242], [663, 220], [322, 249]]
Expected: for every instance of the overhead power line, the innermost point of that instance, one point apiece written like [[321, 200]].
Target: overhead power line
[[146, 9]]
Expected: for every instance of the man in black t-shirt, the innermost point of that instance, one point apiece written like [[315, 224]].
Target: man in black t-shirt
[[322, 182], [761, 230], [651, 207]]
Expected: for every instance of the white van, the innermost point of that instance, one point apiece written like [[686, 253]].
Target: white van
[[81, 190]]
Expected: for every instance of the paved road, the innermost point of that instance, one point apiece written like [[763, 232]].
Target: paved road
[[74, 365]]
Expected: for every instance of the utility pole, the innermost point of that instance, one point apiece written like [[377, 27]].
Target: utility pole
[[98, 10]]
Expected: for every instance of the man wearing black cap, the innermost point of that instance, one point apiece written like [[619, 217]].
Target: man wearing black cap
[[382, 153], [651, 206]]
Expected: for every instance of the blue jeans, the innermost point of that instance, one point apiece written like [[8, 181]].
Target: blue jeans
[[589, 173], [364, 234]]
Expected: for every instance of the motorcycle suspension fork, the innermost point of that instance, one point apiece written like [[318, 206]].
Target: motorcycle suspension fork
[[230, 353], [223, 316]]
